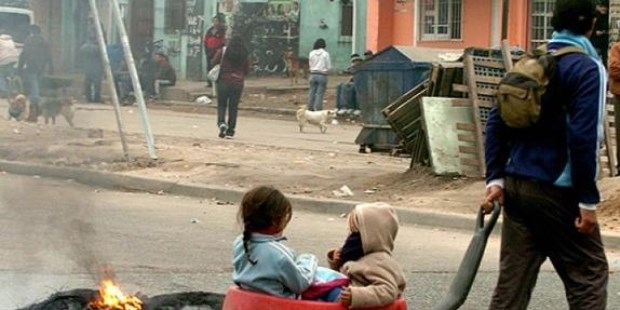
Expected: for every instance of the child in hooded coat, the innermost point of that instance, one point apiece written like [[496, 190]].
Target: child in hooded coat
[[366, 258]]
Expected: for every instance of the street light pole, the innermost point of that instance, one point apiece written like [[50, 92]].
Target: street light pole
[[133, 72], [110, 76]]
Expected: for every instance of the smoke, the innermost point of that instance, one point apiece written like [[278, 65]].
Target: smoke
[[54, 229]]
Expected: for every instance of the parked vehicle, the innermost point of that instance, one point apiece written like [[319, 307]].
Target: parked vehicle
[[15, 22]]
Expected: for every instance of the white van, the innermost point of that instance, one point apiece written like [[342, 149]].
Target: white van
[[15, 22]]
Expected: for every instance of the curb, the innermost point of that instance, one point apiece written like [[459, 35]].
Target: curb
[[173, 103], [327, 206]]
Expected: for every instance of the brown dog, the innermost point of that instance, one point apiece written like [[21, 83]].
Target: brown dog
[[295, 66], [19, 108], [58, 106]]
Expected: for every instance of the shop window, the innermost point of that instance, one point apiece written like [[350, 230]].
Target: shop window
[[440, 19], [346, 24], [175, 14], [541, 13]]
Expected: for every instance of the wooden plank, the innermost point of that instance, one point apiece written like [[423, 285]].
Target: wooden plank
[[470, 162], [473, 90], [460, 88], [486, 79], [461, 102], [489, 63], [506, 55], [467, 149], [487, 92], [466, 127], [609, 146], [467, 138]]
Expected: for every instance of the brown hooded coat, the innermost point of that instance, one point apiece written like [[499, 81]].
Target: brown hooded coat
[[376, 278]]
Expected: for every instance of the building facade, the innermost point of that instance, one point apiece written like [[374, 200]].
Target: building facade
[[457, 23], [342, 24]]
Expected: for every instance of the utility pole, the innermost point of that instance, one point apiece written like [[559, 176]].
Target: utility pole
[[110, 77], [133, 72], [505, 11]]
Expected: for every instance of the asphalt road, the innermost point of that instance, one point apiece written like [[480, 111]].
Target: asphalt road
[[55, 235]]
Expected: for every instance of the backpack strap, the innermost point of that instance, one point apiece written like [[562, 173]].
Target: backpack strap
[[567, 50], [543, 49]]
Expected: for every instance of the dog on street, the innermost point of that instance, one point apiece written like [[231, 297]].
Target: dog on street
[[19, 108], [295, 66], [53, 107], [318, 118]]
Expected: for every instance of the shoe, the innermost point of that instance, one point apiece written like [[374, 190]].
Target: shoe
[[341, 112], [223, 129], [229, 137], [357, 112]]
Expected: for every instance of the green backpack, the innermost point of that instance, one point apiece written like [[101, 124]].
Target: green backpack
[[521, 89]]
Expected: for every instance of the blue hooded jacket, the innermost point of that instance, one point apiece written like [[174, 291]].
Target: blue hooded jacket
[[563, 147], [278, 271]]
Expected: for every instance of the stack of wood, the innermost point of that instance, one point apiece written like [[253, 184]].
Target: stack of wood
[[405, 115], [483, 71]]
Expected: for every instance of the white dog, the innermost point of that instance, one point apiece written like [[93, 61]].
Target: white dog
[[318, 118]]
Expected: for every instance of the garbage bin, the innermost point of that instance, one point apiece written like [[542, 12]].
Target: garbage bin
[[384, 78]]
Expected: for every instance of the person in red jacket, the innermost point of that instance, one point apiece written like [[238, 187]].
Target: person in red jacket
[[214, 41]]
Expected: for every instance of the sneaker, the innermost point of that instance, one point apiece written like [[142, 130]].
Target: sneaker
[[223, 129], [341, 112], [357, 112]]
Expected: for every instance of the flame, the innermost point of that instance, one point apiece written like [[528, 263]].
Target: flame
[[112, 298]]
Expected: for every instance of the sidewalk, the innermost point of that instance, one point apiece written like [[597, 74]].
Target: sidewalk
[[271, 91]]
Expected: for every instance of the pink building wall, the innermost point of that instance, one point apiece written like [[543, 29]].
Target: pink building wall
[[393, 23]]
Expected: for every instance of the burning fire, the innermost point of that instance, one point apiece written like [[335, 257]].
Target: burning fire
[[112, 298]]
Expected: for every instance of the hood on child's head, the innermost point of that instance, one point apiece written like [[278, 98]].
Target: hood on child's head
[[378, 226]]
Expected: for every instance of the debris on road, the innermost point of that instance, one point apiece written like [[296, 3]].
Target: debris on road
[[203, 100], [344, 191], [195, 221]]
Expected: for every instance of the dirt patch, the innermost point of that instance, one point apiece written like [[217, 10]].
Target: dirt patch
[[318, 174], [609, 211]]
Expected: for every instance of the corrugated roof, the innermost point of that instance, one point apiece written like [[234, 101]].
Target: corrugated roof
[[436, 55], [15, 3]]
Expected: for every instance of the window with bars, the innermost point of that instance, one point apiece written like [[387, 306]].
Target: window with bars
[[346, 23], [175, 14], [541, 13], [440, 19]]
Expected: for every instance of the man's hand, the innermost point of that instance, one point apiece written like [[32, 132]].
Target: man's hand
[[494, 193], [586, 223], [346, 297]]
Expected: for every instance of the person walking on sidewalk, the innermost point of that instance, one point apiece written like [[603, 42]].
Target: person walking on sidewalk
[[93, 70], [214, 42], [545, 176], [36, 57], [235, 65], [320, 64], [614, 77]]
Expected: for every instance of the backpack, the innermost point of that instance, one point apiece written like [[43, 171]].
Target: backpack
[[521, 89]]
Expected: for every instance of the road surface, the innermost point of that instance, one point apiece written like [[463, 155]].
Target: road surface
[[54, 235]]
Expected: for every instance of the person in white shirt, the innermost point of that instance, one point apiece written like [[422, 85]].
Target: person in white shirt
[[9, 54], [320, 64]]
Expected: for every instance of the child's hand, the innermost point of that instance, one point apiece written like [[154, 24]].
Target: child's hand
[[346, 297], [336, 256]]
